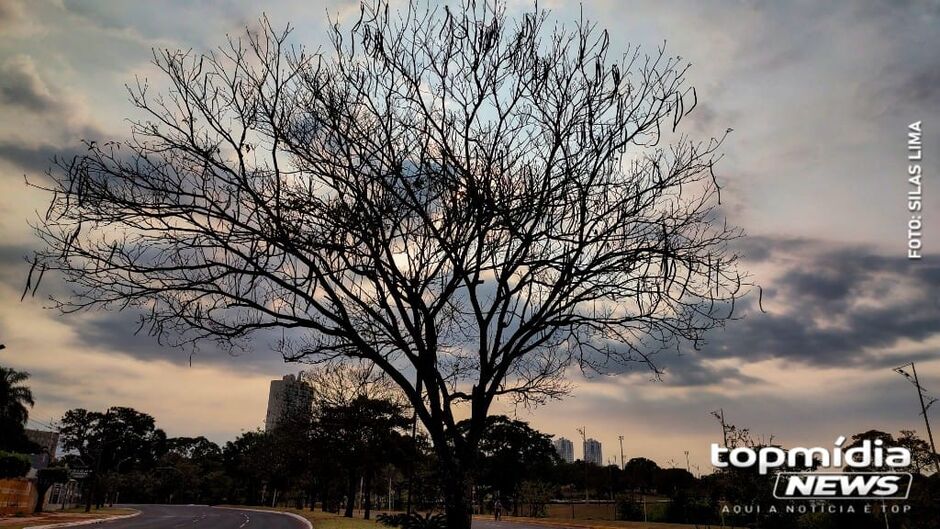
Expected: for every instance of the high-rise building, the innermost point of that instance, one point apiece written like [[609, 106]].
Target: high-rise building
[[592, 452], [565, 449], [288, 397]]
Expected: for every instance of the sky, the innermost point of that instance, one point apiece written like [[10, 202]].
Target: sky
[[819, 97]]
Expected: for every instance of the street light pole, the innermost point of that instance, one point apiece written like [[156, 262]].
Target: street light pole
[[587, 498], [621, 452]]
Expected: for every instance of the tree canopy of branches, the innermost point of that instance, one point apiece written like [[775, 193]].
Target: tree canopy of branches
[[470, 202]]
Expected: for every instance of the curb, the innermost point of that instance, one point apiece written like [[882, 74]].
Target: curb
[[295, 516], [85, 522]]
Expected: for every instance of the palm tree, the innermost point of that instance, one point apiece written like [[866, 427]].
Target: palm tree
[[15, 398]]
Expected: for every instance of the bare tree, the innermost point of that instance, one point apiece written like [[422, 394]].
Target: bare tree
[[471, 203], [339, 384]]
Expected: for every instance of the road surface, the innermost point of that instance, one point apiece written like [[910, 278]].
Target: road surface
[[492, 524], [202, 517]]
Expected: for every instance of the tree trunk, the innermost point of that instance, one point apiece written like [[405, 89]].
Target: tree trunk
[[89, 491], [40, 502], [457, 508], [350, 496], [367, 494]]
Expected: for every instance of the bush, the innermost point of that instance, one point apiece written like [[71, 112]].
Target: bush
[[413, 521], [630, 510], [13, 465], [392, 520], [428, 521]]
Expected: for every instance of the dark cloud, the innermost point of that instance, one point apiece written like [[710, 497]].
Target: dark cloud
[[121, 332], [20, 85], [827, 306], [690, 370], [37, 158], [32, 158], [908, 30], [13, 265], [835, 306], [921, 88]]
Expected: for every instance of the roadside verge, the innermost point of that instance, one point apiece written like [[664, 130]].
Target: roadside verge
[[254, 509]]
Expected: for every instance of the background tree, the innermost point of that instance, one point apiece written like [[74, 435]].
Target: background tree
[[190, 471], [641, 473], [248, 460], [119, 440], [470, 203], [921, 454], [362, 435], [15, 401], [512, 453]]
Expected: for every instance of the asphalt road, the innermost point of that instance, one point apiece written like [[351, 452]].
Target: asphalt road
[[202, 517], [493, 524]]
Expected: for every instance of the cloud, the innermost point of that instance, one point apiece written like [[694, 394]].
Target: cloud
[[21, 85], [833, 305], [827, 306], [9, 13], [121, 333], [920, 88], [168, 22], [35, 158]]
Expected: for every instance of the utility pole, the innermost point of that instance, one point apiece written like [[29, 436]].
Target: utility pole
[[688, 467], [923, 408], [610, 475], [621, 452], [587, 498]]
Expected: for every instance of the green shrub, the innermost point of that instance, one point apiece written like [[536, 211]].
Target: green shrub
[[392, 520], [413, 521], [429, 521], [13, 465]]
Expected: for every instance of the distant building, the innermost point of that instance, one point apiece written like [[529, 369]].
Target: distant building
[[48, 441], [565, 449], [288, 397], [593, 453]]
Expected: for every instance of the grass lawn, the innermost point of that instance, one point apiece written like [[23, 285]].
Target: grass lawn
[[68, 515], [601, 524], [325, 520]]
